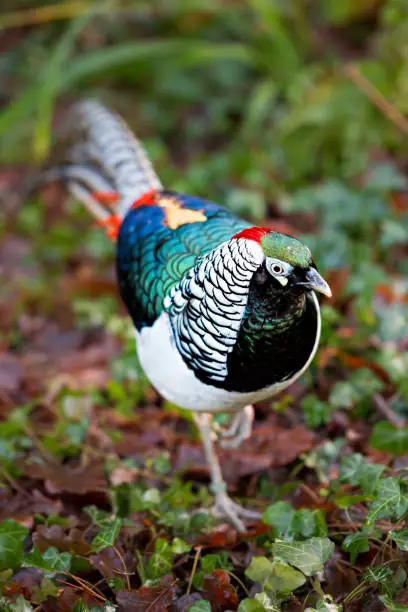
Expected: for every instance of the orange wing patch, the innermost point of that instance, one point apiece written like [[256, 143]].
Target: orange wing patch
[[175, 215]]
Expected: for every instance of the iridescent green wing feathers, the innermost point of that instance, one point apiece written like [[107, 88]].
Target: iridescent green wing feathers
[[152, 257]]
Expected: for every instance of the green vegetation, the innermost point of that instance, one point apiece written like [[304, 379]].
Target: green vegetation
[[290, 113]]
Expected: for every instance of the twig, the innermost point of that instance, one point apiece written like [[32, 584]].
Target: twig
[[376, 97], [385, 409], [194, 568], [152, 605], [125, 570], [85, 585], [241, 584]]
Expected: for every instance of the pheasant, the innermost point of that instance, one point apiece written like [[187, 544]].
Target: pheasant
[[225, 314]]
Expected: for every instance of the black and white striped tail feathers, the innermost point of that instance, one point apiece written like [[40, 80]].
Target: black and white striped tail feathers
[[102, 155]]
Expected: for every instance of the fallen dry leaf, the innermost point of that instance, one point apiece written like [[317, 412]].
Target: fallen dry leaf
[[220, 592], [147, 598], [64, 539], [78, 479]]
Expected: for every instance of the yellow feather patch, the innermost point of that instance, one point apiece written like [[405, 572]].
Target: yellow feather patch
[[175, 215]]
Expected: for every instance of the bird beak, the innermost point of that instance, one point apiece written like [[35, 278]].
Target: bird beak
[[317, 283]]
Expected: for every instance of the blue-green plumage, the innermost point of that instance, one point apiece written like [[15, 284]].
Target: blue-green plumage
[[152, 258]]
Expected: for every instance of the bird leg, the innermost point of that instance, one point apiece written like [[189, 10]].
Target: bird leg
[[239, 429], [224, 506]]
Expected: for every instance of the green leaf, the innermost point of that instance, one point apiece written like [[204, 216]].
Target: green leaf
[[309, 556], [279, 515], [387, 437], [351, 468], [12, 535], [284, 579], [50, 83], [400, 538], [355, 470], [380, 574], [304, 523], [47, 589], [179, 546], [356, 543], [215, 561], [389, 501], [360, 385], [392, 606], [17, 604], [51, 560], [99, 517], [107, 536], [200, 606], [393, 232], [259, 569], [275, 577], [161, 560], [261, 603], [191, 52], [315, 411], [266, 601], [251, 605], [345, 501], [343, 395]]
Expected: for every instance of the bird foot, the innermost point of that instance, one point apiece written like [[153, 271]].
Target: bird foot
[[226, 508], [239, 429]]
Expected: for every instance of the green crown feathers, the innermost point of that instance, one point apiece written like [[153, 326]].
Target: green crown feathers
[[286, 248]]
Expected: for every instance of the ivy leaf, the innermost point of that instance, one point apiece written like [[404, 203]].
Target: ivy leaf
[[17, 604], [50, 561], [275, 577], [259, 569], [261, 603], [392, 606], [200, 606], [355, 470], [345, 501], [351, 468], [356, 543], [387, 437], [316, 412], [178, 546], [251, 605], [308, 556], [283, 579], [57, 561], [343, 395], [360, 385], [380, 574], [307, 523], [291, 523], [389, 500], [215, 561], [400, 538], [107, 536], [280, 516], [12, 535]]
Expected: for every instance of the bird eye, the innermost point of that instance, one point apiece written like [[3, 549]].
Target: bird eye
[[276, 268]]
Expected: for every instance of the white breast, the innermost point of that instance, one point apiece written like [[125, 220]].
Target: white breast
[[171, 377]]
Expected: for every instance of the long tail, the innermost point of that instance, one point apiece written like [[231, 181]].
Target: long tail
[[102, 161]]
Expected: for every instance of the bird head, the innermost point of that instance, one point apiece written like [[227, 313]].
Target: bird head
[[287, 261]]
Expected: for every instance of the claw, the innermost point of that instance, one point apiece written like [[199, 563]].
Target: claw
[[233, 512]]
